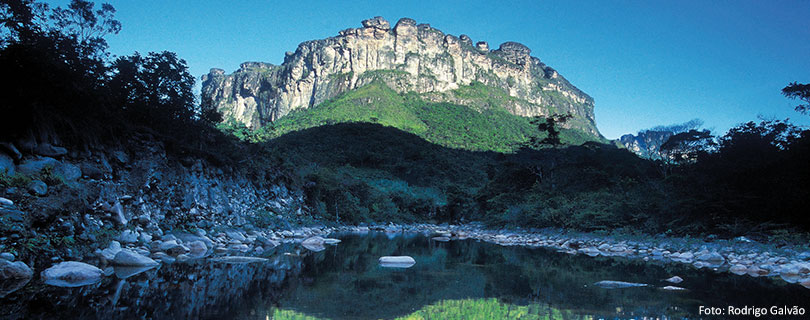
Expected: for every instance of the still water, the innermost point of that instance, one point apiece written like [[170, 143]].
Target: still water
[[451, 280]]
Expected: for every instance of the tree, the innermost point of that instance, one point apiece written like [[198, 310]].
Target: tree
[[157, 86], [686, 146], [88, 27], [549, 126], [799, 91]]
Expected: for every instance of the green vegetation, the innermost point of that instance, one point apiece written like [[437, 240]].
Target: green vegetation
[[483, 126], [464, 309], [487, 309]]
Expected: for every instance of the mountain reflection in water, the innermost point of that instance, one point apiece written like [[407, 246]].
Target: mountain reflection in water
[[457, 279]]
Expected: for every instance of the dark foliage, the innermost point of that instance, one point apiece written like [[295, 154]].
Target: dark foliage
[[799, 91]]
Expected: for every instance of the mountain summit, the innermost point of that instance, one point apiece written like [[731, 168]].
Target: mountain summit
[[408, 58]]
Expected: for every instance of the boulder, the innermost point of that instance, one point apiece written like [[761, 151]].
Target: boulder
[[610, 284], [314, 244], [68, 171], [34, 166], [178, 250], [675, 279], [132, 259], [236, 235], [712, 257], [188, 238], [10, 150], [377, 22], [113, 249], [49, 150], [38, 188], [197, 247], [91, 171], [805, 283], [316, 240], [7, 256], [738, 269], [14, 270], [6, 203], [128, 236], [6, 165], [397, 261], [71, 274]]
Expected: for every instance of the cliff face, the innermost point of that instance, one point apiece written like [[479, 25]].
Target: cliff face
[[408, 57]]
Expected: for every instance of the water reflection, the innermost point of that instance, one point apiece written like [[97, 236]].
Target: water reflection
[[462, 279]]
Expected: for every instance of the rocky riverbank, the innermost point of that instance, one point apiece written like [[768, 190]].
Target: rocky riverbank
[[132, 252], [740, 256]]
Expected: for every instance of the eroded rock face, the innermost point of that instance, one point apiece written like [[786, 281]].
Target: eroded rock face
[[408, 57]]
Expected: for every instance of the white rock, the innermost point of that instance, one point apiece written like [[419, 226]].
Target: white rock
[[397, 261], [71, 274], [673, 288]]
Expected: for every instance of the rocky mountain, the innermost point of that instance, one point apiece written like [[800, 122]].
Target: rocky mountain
[[647, 143], [409, 57]]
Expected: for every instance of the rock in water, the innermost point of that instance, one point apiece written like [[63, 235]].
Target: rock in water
[[397, 261], [441, 239], [239, 259], [738, 269], [123, 272], [197, 247], [14, 270], [675, 279], [712, 257], [609, 284], [314, 244], [673, 288], [313, 241], [132, 259], [331, 241], [71, 274]]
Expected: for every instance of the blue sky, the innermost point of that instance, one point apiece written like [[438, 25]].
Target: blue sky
[[646, 63]]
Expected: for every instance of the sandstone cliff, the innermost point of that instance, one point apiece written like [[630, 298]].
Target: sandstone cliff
[[408, 57]]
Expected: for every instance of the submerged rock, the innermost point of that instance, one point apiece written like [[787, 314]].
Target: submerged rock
[[123, 272], [610, 284], [239, 259], [673, 288], [441, 239], [71, 274], [397, 261], [331, 241]]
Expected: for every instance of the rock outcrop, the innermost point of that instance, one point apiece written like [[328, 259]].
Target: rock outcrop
[[408, 57]]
